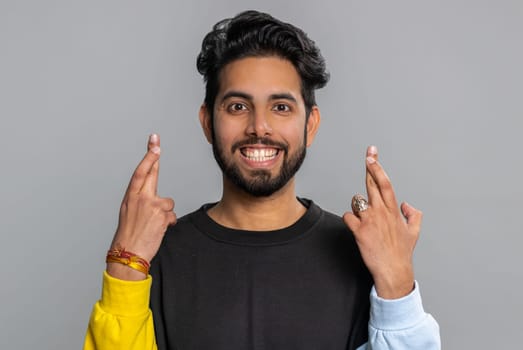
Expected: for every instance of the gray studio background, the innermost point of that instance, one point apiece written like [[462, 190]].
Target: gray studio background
[[437, 85]]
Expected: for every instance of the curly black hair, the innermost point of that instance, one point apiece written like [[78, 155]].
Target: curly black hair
[[257, 34]]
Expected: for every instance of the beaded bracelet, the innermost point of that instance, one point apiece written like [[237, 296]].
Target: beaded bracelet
[[127, 258]]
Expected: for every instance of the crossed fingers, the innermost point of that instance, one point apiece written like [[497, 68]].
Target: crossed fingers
[[381, 201], [381, 193], [144, 216], [379, 187]]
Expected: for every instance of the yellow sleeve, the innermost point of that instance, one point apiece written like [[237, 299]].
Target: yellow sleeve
[[122, 319]]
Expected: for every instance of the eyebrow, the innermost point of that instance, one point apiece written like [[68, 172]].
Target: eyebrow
[[237, 94], [278, 96], [283, 96]]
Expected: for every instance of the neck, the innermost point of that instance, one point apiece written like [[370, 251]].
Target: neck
[[239, 210]]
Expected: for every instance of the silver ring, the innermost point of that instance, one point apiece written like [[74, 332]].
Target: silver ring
[[359, 204]]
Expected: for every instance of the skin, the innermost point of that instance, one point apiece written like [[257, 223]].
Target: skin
[[385, 233], [261, 97], [245, 107]]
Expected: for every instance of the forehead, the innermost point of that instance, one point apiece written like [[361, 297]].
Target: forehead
[[260, 76]]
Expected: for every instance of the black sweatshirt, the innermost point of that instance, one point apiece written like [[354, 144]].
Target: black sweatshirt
[[302, 287]]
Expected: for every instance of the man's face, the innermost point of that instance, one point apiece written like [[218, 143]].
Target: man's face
[[259, 132]]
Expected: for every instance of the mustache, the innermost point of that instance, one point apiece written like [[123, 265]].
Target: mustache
[[259, 141]]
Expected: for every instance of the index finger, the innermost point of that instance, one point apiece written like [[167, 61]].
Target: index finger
[[145, 169]]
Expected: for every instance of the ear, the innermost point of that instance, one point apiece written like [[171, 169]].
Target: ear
[[313, 123], [206, 122]]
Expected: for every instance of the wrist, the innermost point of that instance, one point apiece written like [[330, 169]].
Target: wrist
[[395, 285]]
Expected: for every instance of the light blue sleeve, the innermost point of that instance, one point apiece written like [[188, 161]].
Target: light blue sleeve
[[401, 324]]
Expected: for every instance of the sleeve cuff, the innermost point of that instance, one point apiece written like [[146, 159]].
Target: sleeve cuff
[[125, 298], [396, 314]]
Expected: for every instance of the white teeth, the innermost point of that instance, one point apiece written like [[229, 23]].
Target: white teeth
[[260, 155]]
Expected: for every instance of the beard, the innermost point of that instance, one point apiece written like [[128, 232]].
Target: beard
[[260, 183]]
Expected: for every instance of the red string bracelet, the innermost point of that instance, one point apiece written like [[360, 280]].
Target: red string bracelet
[[124, 257]]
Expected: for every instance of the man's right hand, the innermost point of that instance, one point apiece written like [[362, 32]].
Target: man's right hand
[[144, 217]]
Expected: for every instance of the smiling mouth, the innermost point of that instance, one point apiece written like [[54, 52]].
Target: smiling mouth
[[259, 154]]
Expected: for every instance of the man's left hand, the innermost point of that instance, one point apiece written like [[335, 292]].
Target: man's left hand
[[385, 233]]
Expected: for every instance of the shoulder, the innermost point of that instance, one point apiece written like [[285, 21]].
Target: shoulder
[[181, 234], [333, 224], [333, 229]]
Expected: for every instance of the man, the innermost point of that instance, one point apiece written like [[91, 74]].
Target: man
[[262, 268]]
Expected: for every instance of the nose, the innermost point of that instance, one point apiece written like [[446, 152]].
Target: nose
[[259, 124]]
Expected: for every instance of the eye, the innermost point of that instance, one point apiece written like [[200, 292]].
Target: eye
[[282, 108], [236, 107]]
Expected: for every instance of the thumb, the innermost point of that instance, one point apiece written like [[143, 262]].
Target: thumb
[[412, 215]]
